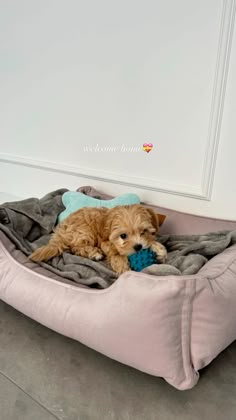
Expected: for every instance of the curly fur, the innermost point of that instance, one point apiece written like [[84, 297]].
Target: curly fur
[[96, 233]]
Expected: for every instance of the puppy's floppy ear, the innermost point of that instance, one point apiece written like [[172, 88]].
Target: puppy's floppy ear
[[106, 230], [157, 219], [154, 218], [161, 218], [107, 226]]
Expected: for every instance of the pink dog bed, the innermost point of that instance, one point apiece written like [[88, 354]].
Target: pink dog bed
[[168, 326]]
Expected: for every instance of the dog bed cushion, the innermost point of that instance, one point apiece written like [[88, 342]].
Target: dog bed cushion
[[169, 326]]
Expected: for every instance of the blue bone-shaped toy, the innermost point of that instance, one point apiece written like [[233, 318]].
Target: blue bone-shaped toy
[[74, 200]]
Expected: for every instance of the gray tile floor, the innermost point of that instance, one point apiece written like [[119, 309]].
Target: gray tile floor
[[45, 376]]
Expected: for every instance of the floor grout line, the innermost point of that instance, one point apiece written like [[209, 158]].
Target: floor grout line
[[28, 395]]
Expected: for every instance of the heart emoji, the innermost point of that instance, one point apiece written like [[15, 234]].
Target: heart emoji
[[147, 147]]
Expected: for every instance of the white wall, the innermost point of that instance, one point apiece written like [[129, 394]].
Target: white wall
[[113, 73]]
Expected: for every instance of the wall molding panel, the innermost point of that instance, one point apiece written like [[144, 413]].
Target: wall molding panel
[[217, 106]]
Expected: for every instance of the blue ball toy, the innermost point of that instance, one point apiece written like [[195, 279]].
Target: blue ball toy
[[141, 259]]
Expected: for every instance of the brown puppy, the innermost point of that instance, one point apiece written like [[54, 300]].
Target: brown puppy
[[98, 232]]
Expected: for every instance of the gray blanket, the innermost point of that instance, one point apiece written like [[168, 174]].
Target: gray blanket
[[29, 223], [188, 253]]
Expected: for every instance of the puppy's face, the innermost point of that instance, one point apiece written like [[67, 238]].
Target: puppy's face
[[132, 228]]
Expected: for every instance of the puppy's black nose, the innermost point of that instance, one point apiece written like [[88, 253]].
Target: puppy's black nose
[[138, 247]]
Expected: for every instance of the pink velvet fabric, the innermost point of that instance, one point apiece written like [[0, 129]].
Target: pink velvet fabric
[[214, 308], [166, 326], [141, 320]]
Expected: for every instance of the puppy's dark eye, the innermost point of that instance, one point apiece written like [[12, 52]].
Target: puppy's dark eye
[[143, 232], [123, 235]]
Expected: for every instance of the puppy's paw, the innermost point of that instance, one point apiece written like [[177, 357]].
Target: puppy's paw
[[91, 252], [160, 252], [119, 264], [97, 255]]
